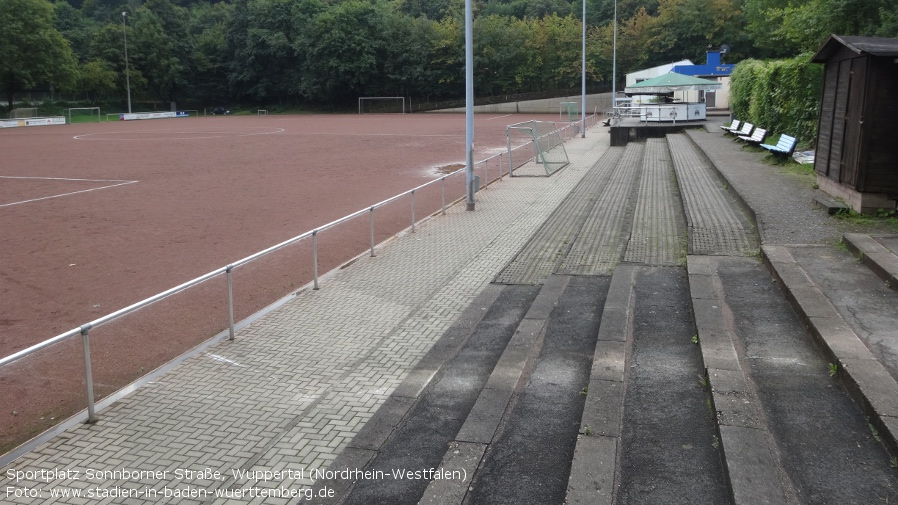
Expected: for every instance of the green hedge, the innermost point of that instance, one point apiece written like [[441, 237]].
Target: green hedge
[[782, 96]]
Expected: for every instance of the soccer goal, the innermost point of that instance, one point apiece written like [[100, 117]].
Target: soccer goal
[[262, 112], [548, 145], [83, 115], [568, 112], [23, 112], [381, 105]]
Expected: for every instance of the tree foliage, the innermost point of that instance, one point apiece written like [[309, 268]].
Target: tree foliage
[[331, 51], [32, 51]]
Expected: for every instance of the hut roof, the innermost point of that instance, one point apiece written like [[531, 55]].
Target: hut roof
[[875, 46]]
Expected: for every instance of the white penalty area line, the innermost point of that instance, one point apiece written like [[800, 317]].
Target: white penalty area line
[[118, 182], [186, 135], [499, 117]]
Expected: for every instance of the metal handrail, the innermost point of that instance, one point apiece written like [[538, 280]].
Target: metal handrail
[[84, 329]]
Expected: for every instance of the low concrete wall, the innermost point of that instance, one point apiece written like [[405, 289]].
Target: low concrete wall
[[594, 103]]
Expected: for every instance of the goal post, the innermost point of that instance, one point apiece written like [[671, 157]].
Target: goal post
[[83, 115], [23, 113], [381, 104], [569, 111], [548, 144]]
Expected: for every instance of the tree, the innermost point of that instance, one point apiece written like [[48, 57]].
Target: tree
[[347, 51], [97, 80], [32, 51], [157, 55], [498, 54], [806, 26], [447, 60], [261, 40], [107, 46], [208, 33], [75, 27]]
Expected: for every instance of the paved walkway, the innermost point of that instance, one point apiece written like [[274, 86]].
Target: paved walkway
[[247, 421]]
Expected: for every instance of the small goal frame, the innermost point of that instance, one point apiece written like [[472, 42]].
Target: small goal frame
[[23, 113], [68, 113], [569, 112], [548, 144], [381, 98]]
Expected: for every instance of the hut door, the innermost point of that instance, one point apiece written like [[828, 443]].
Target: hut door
[[854, 120]]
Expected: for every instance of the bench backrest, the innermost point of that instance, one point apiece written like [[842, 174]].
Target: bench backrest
[[786, 143], [734, 125], [759, 134], [746, 128]]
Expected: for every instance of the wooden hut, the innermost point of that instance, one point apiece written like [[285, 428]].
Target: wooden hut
[[857, 136]]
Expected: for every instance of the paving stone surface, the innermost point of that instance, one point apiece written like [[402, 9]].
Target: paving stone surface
[[601, 242], [286, 397], [551, 242], [658, 235], [717, 226]]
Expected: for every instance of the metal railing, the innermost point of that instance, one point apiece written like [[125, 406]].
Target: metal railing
[[84, 330]]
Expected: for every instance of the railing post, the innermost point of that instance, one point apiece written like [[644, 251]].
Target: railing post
[[371, 213], [230, 303], [443, 195], [315, 259], [88, 375], [413, 211]]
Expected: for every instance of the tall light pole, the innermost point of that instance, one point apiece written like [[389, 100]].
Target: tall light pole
[[127, 76], [614, 62], [469, 105], [583, 80]]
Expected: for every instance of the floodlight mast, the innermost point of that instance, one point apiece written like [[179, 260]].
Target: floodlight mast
[[583, 80], [614, 63], [469, 105], [127, 74]]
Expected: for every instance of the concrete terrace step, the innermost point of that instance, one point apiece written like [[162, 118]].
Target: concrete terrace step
[[601, 241], [853, 315], [658, 235], [878, 253], [539, 258], [716, 225], [414, 428], [777, 407]]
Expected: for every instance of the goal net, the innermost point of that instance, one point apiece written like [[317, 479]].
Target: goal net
[[23, 112], [83, 115], [547, 142], [381, 105], [568, 112]]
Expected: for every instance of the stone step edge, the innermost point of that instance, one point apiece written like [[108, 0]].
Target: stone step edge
[[465, 453], [748, 460], [593, 475], [879, 259], [866, 379]]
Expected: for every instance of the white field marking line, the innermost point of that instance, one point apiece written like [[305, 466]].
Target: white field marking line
[[120, 183], [190, 135], [498, 117]]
